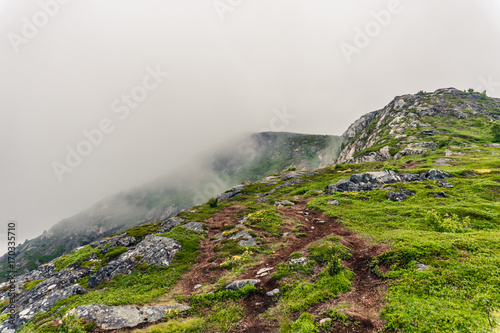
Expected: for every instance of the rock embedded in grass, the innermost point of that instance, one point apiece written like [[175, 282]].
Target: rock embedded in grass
[[238, 284]]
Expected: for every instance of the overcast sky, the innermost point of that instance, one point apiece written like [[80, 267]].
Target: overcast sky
[[165, 80]]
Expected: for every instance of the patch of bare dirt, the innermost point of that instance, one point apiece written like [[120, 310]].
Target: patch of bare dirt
[[363, 303]]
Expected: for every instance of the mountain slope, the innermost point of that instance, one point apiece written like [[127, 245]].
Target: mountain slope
[[398, 128], [248, 160], [410, 243]]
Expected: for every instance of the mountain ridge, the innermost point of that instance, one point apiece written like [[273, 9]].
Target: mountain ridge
[[402, 238]]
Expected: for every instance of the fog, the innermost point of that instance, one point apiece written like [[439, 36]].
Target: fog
[[143, 87]]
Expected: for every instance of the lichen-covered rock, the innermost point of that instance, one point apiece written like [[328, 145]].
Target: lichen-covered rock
[[238, 284], [152, 250], [169, 224], [400, 196], [231, 193], [369, 181], [118, 317], [194, 226], [42, 302], [444, 184]]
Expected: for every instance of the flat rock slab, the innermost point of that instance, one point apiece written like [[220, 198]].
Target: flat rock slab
[[118, 317], [238, 284], [194, 226]]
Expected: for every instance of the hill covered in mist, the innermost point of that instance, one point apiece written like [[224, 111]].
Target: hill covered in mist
[[250, 159]]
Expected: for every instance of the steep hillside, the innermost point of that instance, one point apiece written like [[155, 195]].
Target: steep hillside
[[251, 159], [407, 243]]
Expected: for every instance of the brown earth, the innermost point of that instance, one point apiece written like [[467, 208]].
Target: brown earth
[[362, 304]]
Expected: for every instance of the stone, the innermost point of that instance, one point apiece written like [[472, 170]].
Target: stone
[[235, 191], [443, 161], [429, 186], [369, 181], [496, 145], [273, 292], [325, 321], [198, 286], [219, 236], [439, 195], [421, 267], [43, 300], [238, 284], [156, 313], [247, 242], [153, 250], [194, 226], [284, 203], [435, 174], [292, 175], [117, 317], [334, 202], [169, 224], [300, 261], [400, 196], [444, 184], [263, 271], [241, 234]]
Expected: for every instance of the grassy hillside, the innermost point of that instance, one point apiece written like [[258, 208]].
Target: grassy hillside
[[429, 263]]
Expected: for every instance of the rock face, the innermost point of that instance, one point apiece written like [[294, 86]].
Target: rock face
[[118, 317], [398, 120], [369, 181], [151, 250]]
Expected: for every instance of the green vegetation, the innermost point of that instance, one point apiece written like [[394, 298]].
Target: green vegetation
[[495, 132], [31, 284], [266, 219], [3, 317], [213, 202], [80, 255]]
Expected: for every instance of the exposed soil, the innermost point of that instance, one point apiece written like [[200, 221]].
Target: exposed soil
[[363, 303]]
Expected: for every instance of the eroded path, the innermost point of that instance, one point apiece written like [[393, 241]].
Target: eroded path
[[363, 303]]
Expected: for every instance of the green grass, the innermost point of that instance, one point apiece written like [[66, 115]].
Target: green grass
[[32, 284], [266, 219], [72, 258], [458, 237]]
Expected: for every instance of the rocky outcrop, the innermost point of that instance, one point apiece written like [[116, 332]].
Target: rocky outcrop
[[369, 181], [117, 317], [152, 250], [235, 191], [397, 121]]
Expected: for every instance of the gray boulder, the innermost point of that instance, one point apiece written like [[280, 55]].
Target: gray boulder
[[238, 284], [369, 181], [194, 226], [231, 193], [169, 224], [444, 184], [28, 309], [300, 261], [400, 196], [118, 317], [153, 250], [439, 195]]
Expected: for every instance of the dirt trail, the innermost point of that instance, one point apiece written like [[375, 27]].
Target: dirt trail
[[364, 300]]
